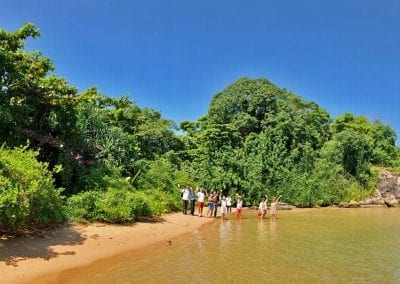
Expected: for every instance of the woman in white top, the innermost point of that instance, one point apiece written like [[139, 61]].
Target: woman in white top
[[273, 207], [224, 208], [262, 208], [229, 204], [239, 206]]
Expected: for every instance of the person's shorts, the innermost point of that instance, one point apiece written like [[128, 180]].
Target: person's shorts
[[239, 211], [200, 204], [211, 206]]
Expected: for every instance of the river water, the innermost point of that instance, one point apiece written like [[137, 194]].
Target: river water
[[327, 245]]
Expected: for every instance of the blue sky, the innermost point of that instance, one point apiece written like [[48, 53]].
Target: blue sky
[[175, 55]]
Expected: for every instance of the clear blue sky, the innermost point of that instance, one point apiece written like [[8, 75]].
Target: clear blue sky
[[174, 55]]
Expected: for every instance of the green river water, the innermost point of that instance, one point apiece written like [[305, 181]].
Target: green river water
[[327, 245]]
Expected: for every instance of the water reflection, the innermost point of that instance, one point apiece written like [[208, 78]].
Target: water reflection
[[199, 239], [225, 233], [262, 229], [272, 229]]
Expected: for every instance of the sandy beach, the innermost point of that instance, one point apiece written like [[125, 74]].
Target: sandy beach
[[41, 258]]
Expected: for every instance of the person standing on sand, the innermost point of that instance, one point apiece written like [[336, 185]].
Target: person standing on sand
[[185, 199], [218, 198], [229, 204], [192, 199], [262, 208], [224, 209], [212, 197], [273, 207], [200, 201], [239, 206]]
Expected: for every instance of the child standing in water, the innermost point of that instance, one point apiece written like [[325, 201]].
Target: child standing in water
[[239, 206], [274, 205], [262, 208]]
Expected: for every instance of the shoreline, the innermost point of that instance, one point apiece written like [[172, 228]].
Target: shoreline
[[41, 259]]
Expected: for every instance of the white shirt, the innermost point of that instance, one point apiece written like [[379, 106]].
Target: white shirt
[[185, 195], [262, 206], [223, 203], [200, 196]]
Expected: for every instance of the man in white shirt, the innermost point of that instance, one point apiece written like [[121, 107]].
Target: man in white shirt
[[200, 201], [185, 199]]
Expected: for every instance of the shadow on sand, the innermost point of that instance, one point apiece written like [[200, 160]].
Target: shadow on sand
[[151, 219], [16, 248]]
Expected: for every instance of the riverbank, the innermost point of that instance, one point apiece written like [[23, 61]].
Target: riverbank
[[26, 259]]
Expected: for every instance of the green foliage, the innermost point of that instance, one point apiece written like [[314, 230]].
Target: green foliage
[[254, 138], [112, 206], [120, 162], [32, 104], [381, 137], [161, 202], [81, 207], [27, 194], [396, 162], [119, 205], [352, 151], [259, 139], [159, 174], [103, 176]]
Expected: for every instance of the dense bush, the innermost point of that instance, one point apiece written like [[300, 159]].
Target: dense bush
[[81, 207], [119, 205], [162, 202], [27, 194], [158, 174]]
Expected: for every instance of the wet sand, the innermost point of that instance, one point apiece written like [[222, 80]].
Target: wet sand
[[42, 258]]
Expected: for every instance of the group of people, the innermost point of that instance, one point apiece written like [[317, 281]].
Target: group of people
[[189, 197], [262, 208]]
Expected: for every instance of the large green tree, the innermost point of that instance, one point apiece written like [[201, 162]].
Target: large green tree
[[34, 104], [260, 139]]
